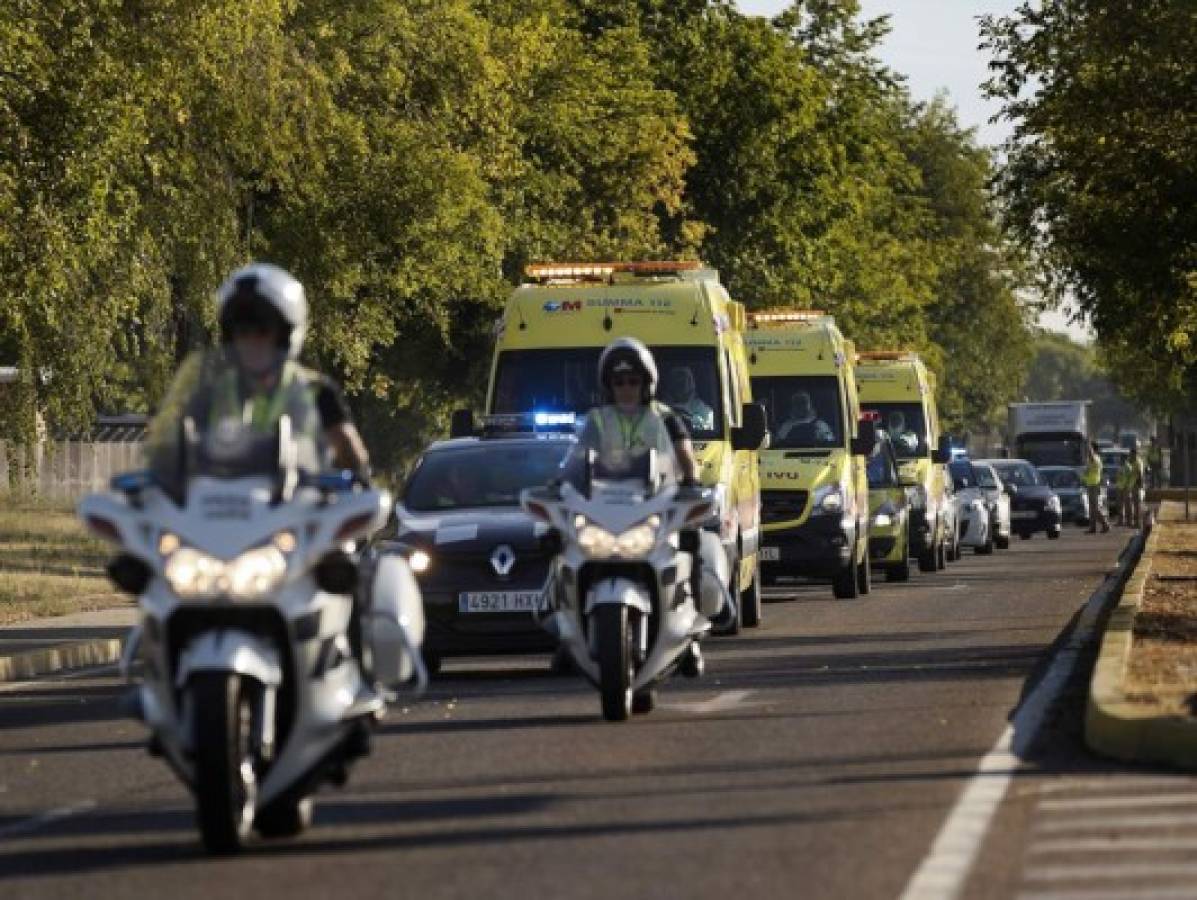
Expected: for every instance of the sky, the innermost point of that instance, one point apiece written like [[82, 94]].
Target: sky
[[934, 43]]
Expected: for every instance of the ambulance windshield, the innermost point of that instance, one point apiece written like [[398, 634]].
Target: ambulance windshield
[[803, 410], [566, 380]]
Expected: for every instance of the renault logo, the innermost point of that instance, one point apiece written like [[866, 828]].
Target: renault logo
[[503, 559]]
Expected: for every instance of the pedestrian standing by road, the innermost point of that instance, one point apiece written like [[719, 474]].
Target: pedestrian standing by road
[[1155, 463], [1130, 483], [1092, 479]]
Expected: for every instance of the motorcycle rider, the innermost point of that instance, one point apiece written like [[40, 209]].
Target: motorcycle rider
[[632, 421]]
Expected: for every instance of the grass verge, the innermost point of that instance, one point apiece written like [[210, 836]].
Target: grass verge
[[49, 565]]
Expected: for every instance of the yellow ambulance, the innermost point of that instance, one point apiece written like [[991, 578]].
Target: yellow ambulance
[[814, 487], [548, 344], [899, 389]]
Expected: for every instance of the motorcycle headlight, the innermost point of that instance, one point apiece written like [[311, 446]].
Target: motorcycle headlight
[[596, 541], [419, 561], [192, 574], [639, 539], [829, 499]]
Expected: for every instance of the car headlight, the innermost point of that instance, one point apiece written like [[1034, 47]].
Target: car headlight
[[1053, 502], [883, 520], [829, 499], [419, 561], [194, 575]]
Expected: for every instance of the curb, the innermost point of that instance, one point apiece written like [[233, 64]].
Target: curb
[[69, 655], [1114, 726]]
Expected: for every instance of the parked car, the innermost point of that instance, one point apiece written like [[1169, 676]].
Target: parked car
[[889, 513], [1074, 497], [977, 526], [478, 556], [990, 484], [1034, 506], [953, 520]]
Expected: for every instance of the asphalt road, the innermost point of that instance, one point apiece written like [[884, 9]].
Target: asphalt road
[[819, 757]]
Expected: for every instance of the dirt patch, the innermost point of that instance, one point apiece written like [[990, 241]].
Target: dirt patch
[[1162, 668], [49, 565]]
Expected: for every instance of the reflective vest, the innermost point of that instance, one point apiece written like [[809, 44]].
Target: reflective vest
[[1092, 476], [620, 436], [294, 396]]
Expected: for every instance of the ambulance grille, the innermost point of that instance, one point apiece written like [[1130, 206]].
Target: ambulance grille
[[782, 506]]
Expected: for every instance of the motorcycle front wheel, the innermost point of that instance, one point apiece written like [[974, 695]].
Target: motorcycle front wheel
[[616, 659], [225, 777]]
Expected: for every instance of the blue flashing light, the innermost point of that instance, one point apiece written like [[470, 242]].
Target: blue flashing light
[[549, 419]]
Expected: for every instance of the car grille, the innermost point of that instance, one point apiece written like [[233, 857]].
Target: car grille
[[782, 506]]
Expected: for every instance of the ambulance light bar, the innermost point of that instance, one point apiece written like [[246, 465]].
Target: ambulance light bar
[[903, 355], [782, 316], [600, 271]]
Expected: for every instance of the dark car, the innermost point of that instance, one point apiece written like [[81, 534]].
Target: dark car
[[1034, 506], [478, 556]]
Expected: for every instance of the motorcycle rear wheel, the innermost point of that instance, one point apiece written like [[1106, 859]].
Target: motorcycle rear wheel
[[616, 660], [225, 777]]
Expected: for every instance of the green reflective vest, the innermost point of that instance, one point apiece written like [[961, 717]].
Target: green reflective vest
[[1092, 476], [293, 396]]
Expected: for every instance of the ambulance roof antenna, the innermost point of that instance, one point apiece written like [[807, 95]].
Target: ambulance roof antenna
[[519, 311]]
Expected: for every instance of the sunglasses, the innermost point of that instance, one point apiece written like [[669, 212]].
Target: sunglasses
[[626, 381]]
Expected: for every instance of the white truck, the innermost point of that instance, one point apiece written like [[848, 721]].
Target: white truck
[[1050, 434]]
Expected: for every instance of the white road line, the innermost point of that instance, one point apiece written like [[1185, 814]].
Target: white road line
[[721, 702], [1113, 842], [944, 870], [1115, 823], [1143, 800], [1110, 871], [47, 818]]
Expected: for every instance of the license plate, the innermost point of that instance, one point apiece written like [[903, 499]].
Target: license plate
[[1023, 514], [499, 601], [770, 554]]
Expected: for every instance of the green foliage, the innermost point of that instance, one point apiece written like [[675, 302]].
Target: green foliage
[[1101, 180], [406, 159]]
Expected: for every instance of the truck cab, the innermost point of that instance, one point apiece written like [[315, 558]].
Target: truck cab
[[556, 325], [899, 390], [815, 491], [1054, 433]]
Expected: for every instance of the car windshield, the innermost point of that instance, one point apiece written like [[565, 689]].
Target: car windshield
[[803, 410], [566, 380], [985, 477], [1062, 478], [963, 475], [481, 475], [906, 425], [1019, 474]]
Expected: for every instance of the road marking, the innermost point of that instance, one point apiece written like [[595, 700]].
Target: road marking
[[47, 818], [1110, 871], [944, 870], [1083, 803], [1113, 842], [1112, 785], [721, 702], [1115, 823]]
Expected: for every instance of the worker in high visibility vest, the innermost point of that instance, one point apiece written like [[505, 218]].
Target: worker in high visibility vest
[[1092, 481], [1130, 484]]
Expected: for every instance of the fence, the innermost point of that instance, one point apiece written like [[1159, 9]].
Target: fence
[[64, 470]]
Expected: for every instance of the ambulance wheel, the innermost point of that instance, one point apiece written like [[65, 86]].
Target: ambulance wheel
[[844, 585], [927, 560], [900, 571], [941, 557], [864, 578], [750, 601]]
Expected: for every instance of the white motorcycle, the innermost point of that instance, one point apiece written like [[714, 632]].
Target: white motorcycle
[[629, 599], [248, 641]]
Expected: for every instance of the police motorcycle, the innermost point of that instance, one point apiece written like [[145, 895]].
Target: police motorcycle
[[627, 594], [240, 551]]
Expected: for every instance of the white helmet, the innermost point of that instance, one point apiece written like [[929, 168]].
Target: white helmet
[[628, 354], [266, 294]]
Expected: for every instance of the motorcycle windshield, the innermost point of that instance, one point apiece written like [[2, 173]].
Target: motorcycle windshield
[[217, 421]]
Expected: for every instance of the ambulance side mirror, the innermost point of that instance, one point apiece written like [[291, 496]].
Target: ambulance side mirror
[[752, 433], [943, 453], [462, 423], [866, 438]]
